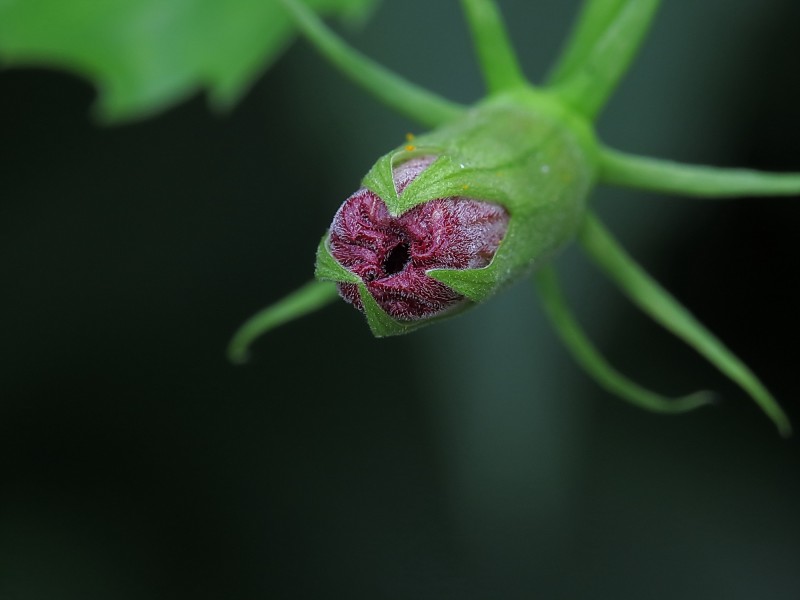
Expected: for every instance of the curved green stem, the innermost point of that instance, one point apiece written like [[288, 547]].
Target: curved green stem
[[657, 175], [596, 365], [602, 46], [307, 299], [646, 293], [389, 88], [496, 56]]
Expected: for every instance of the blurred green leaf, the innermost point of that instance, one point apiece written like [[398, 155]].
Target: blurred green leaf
[[144, 55]]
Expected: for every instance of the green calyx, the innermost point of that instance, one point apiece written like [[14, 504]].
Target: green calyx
[[519, 150]]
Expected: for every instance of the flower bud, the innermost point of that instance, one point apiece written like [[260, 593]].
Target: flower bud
[[392, 255], [470, 207]]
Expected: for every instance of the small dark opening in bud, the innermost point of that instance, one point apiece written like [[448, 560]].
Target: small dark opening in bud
[[397, 260]]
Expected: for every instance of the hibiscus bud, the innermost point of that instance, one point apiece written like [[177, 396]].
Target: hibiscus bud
[[468, 208], [392, 255]]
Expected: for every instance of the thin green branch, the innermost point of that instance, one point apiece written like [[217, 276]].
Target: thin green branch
[[657, 175], [307, 299], [496, 56], [603, 45], [593, 20], [584, 352], [389, 88], [646, 293]]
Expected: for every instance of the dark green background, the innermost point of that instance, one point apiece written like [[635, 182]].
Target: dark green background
[[470, 460]]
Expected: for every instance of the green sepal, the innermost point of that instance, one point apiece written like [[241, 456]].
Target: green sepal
[[380, 323], [328, 268], [475, 284], [379, 179], [383, 325], [480, 284]]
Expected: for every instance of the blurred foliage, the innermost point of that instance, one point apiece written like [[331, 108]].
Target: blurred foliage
[[144, 55]]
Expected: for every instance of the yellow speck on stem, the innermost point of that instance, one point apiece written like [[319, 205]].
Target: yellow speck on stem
[[410, 148], [409, 137]]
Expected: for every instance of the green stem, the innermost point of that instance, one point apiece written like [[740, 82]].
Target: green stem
[[307, 299], [593, 20], [602, 46], [596, 365], [646, 293], [389, 88], [496, 56], [657, 175]]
